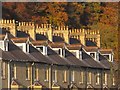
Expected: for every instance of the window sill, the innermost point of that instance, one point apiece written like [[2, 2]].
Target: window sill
[[27, 79], [46, 80], [88, 83], [97, 84], [80, 82], [64, 81], [3, 78]]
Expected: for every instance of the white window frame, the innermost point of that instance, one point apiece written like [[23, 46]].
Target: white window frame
[[46, 71], [73, 76], [64, 76], [36, 73], [28, 72], [97, 78], [14, 70], [113, 80], [105, 78], [81, 77], [89, 80], [3, 71]]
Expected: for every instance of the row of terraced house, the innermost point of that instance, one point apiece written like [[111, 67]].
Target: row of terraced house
[[45, 64]]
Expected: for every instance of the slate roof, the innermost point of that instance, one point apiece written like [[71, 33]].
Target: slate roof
[[55, 58], [6, 55], [104, 61], [72, 60], [89, 60], [38, 56], [17, 53]]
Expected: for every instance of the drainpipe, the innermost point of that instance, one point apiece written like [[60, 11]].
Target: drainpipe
[[32, 74]]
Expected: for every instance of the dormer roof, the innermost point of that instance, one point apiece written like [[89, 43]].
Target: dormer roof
[[74, 46], [20, 40], [40, 42], [57, 44], [105, 51], [91, 48]]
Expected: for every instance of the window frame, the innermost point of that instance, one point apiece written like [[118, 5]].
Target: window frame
[[46, 72], [3, 70], [81, 77], [27, 72]]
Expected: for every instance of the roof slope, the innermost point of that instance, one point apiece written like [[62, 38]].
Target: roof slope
[[89, 60]]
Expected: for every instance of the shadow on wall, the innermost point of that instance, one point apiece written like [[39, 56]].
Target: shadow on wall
[[74, 41], [57, 39], [90, 43], [22, 34], [41, 37]]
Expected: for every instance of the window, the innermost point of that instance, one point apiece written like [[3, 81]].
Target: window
[[113, 80], [72, 76], [81, 77], [89, 77], [40, 48], [105, 78], [27, 72], [46, 74], [13, 71], [35, 73], [107, 56], [97, 78], [92, 54], [3, 70], [54, 75], [65, 76]]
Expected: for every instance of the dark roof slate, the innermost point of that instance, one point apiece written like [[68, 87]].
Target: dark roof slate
[[73, 60], [89, 60], [38, 56], [55, 58], [18, 53]]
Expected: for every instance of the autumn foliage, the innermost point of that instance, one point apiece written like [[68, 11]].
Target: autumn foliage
[[97, 15]]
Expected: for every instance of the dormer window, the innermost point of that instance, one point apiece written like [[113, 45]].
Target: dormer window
[[92, 54], [23, 46], [61, 52], [42, 49], [107, 56]]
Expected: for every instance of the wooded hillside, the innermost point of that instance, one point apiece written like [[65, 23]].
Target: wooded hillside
[[100, 15]]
